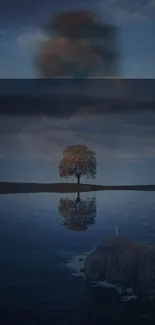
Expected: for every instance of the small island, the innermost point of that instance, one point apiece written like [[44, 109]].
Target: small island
[[14, 188]]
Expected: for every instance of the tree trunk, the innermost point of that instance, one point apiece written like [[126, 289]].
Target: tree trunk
[[78, 179]]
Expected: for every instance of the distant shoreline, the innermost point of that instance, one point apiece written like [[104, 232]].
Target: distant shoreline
[[14, 188]]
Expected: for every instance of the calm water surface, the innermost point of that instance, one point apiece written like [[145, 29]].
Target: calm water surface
[[41, 239]]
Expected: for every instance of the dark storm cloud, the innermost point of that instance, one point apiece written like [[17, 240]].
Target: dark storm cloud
[[127, 133], [64, 97]]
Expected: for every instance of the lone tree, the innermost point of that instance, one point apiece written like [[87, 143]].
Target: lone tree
[[78, 161]]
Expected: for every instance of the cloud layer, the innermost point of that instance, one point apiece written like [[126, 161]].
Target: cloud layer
[[18, 47], [126, 137], [129, 10]]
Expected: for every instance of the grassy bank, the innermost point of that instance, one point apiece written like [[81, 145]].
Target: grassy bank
[[13, 187]]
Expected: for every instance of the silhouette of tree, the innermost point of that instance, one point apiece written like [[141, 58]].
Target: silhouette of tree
[[78, 161], [78, 42], [78, 214]]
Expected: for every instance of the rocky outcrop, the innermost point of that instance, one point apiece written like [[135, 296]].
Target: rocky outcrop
[[119, 261]]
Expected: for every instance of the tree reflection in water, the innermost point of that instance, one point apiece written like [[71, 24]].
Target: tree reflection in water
[[78, 214]]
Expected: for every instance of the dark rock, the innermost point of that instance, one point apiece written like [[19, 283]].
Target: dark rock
[[119, 261]]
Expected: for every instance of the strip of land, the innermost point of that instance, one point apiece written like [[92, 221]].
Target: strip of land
[[14, 188]]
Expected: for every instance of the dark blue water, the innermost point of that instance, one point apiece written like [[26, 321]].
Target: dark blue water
[[40, 234]]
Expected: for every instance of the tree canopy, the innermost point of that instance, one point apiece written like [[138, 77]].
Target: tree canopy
[[78, 161]]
